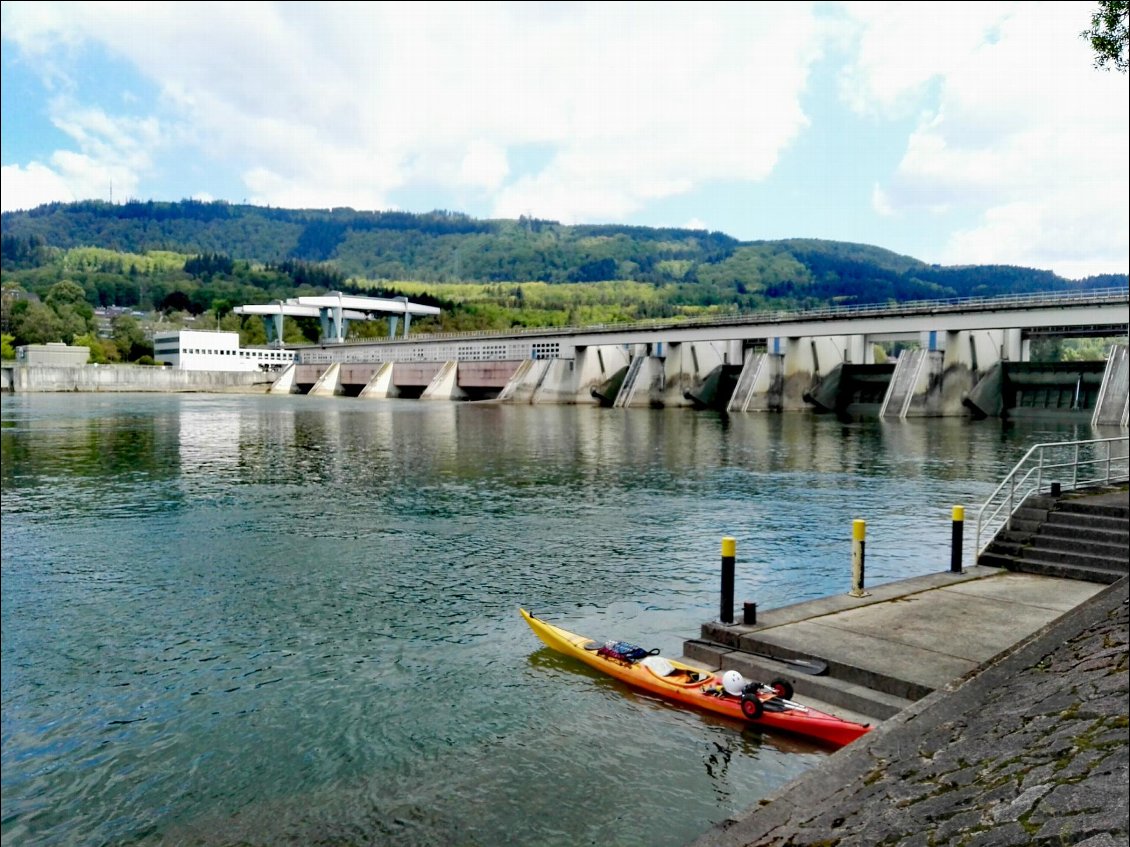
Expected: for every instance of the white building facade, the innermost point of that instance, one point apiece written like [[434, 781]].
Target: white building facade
[[201, 350]]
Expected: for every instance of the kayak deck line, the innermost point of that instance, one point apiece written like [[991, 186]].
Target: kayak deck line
[[768, 707]]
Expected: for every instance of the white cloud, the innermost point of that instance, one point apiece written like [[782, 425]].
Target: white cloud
[[353, 102], [31, 186], [1025, 135], [1013, 134]]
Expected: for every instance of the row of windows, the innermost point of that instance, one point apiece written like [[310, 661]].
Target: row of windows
[[278, 356]]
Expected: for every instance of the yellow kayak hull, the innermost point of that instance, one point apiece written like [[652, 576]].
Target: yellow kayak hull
[[690, 686]]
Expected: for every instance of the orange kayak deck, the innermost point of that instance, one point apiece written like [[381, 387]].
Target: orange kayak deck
[[690, 686]]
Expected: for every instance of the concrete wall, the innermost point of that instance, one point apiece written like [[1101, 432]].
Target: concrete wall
[[128, 378], [53, 353]]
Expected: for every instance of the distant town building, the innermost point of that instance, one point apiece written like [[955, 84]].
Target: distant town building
[[53, 353], [201, 350]]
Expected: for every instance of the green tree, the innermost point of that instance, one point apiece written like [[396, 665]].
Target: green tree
[[130, 338], [65, 293], [101, 351], [7, 351], [1108, 34], [252, 333], [34, 323], [73, 322]]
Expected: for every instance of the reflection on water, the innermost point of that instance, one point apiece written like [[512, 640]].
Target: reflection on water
[[289, 619]]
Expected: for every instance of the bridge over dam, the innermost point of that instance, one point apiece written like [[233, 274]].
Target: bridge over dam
[[958, 357]]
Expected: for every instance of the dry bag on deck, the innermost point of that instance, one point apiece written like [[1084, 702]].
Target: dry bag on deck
[[622, 651]]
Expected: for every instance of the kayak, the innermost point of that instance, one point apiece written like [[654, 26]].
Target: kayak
[[764, 706]]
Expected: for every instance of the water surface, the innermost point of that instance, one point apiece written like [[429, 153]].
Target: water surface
[[293, 620]]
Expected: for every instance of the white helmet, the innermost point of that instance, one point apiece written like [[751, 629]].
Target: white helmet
[[733, 682]]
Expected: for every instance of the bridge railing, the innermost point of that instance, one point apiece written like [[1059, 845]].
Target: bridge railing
[[1068, 465], [1099, 296]]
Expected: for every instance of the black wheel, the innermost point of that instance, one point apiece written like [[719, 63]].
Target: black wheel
[[782, 688], [752, 708]]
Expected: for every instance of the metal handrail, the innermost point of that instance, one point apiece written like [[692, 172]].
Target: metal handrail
[[1100, 296], [1069, 465]]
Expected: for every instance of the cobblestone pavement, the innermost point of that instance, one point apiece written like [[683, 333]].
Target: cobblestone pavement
[[1032, 750]]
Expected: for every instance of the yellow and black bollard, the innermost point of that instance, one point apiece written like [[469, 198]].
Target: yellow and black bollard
[[729, 548], [957, 535]]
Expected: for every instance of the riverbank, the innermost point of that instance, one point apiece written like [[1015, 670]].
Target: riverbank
[[47, 379], [1029, 747], [1032, 750]]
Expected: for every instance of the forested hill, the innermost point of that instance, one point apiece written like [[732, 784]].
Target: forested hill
[[693, 266]]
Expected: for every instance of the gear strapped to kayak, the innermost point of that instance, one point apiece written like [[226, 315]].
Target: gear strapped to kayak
[[724, 692], [622, 651]]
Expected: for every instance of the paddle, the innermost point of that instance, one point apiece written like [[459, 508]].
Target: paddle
[[816, 667]]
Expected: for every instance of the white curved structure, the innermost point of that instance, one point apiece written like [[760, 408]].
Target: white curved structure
[[335, 311]]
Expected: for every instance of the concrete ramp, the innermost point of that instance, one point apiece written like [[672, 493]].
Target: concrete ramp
[[523, 385], [904, 383], [380, 386], [329, 383], [444, 386], [627, 392], [899, 643], [285, 384], [1112, 408], [749, 382]]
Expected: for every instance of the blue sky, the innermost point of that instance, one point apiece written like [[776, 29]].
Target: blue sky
[[957, 133]]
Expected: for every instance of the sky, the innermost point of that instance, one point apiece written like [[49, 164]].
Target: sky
[[957, 133]]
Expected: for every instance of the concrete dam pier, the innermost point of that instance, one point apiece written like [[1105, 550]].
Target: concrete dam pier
[[967, 357], [919, 383]]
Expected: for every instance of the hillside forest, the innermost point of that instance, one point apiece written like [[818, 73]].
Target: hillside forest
[[107, 276]]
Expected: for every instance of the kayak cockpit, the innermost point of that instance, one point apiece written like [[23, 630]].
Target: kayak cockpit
[[673, 674]]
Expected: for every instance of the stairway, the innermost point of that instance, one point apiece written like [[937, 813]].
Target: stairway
[[1076, 535]]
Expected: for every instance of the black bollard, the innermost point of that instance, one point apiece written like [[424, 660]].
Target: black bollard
[[956, 538], [729, 547]]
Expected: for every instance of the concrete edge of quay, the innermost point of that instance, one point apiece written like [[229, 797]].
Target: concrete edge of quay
[[128, 379], [945, 769]]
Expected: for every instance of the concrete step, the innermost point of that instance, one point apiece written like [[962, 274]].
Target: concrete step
[[1021, 526], [1082, 554], [842, 687], [1071, 532], [1029, 515], [1082, 545], [1086, 521], [1079, 544], [1063, 564], [1104, 573], [993, 559], [1090, 508]]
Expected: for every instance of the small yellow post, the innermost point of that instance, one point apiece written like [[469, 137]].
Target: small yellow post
[[858, 556]]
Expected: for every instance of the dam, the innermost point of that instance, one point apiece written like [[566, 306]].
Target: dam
[[967, 357]]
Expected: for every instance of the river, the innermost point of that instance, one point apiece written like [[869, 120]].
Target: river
[[279, 620]]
